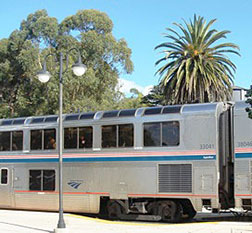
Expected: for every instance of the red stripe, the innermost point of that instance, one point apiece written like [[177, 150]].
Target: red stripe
[[243, 150], [244, 195]]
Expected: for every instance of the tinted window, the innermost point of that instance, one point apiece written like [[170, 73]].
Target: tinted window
[[36, 140], [170, 133], [109, 136], [85, 137], [161, 134], [35, 180], [49, 139], [126, 135], [17, 140], [48, 180], [152, 134], [70, 138], [4, 176], [42, 180], [5, 141]]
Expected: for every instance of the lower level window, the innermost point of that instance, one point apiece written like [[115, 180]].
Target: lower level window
[[42, 180], [4, 176]]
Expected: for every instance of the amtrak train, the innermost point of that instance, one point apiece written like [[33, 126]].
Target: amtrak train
[[160, 163]]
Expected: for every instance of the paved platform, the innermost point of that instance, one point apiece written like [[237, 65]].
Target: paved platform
[[12, 221]]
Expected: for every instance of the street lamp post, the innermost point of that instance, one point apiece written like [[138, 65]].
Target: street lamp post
[[44, 76]]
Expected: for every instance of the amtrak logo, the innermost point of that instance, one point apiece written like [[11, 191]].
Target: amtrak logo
[[74, 184]]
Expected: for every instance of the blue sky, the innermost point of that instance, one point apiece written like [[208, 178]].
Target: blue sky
[[142, 22]]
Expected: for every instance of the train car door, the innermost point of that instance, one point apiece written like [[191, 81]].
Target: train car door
[[5, 187]]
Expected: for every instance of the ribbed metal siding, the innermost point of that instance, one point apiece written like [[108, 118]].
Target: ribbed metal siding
[[175, 178]]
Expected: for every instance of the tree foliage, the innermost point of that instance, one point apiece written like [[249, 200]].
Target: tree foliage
[[155, 97], [196, 67], [249, 101], [22, 55]]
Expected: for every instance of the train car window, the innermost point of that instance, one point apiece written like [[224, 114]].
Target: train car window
[[18, 122], [51, 119], [113, 113], [5, 141], [70, 138], [37, 120], [48, 180], [42, 180], [4, 176], [36, 139], [85, 137], [127, 112], [72, 117], [109, 136], [49, 139], [152, 110], [126, 135], [152, 134], [6, 122], [170, 133], [161, 133], [35, 180], [89, 115], [17, 140]]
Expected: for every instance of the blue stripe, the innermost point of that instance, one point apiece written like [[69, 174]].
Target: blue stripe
[[243, 155], [113, 159]]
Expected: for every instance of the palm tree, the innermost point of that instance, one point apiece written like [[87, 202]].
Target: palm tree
[[197, 68]]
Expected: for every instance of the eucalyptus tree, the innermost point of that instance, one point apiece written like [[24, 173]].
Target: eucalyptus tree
[[22, 54], [195, 66]]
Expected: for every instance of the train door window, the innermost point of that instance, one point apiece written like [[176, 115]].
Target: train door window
[[5, 141], [170, 133], [48, 180], [4, 176], [42, 180], [36, 139], [152, 134], [35, 180], [17, 140], [109, 136], [85, 137], [49, 139], [126, 135], [70, 138]]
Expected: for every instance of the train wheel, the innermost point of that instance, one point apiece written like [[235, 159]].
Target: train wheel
[[170, 211], [114, 210], [188, 210]]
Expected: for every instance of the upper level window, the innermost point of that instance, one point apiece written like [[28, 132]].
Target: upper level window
[[43, 139], [117, 135], [4, 176], [78, 138], [11, 141], [161, 133]]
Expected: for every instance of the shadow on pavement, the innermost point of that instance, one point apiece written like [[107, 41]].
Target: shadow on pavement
[[26, 227]]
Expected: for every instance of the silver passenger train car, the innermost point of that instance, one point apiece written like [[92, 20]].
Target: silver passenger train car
[[152, 163]]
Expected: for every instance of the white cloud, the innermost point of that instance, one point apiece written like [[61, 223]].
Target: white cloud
[[126, 85]]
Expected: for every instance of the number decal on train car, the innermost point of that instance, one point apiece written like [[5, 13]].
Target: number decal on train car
[[206, 146]]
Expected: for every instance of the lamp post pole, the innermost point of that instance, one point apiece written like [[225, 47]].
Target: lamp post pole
[[61, 222], [44, 76]]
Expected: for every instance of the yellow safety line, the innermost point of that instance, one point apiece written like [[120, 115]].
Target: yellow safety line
[[134, 223]]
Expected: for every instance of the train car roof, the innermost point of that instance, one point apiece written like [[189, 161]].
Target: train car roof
[[206, 108]]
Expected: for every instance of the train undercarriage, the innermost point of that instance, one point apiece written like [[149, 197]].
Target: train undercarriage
[[166, 210]]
